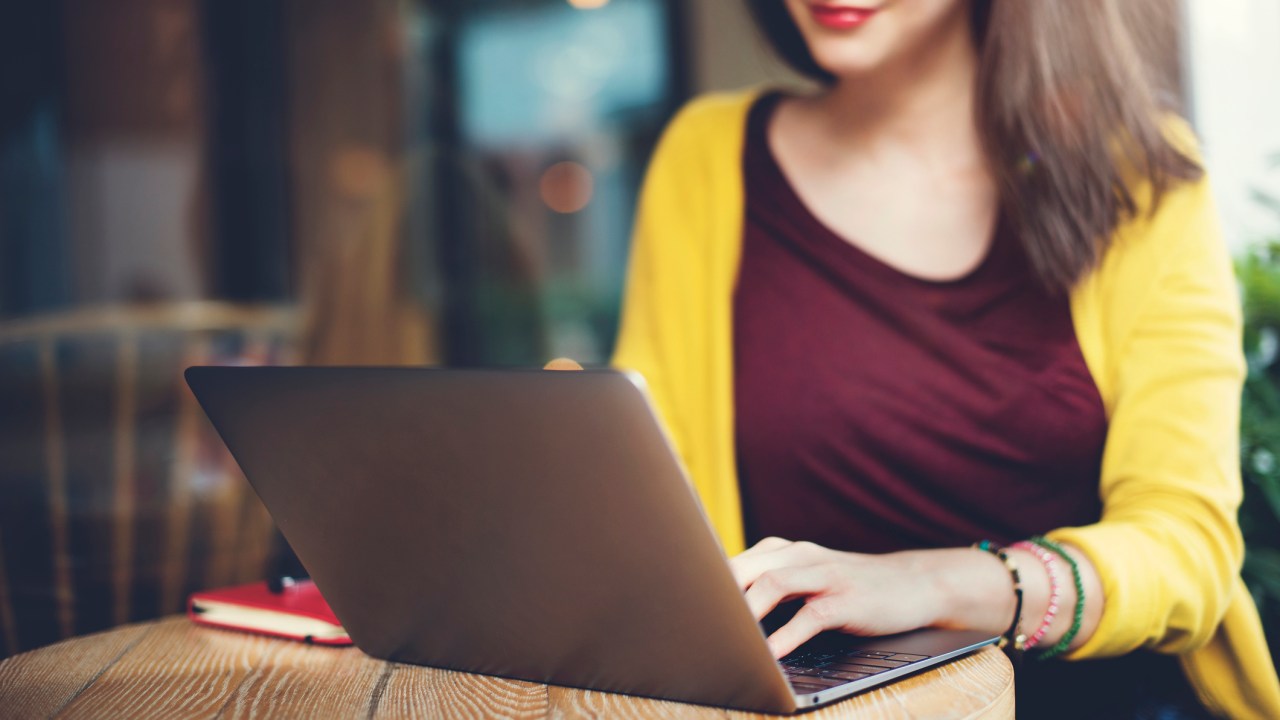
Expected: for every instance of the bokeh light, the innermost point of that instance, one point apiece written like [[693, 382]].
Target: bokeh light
[[566, 187]]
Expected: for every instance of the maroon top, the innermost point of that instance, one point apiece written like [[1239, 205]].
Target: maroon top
[[877, 411]]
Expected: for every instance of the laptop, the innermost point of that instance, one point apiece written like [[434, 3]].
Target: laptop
[[525, 524]]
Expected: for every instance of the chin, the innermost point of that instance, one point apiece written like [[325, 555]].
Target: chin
[[848, 38], [848, 58]]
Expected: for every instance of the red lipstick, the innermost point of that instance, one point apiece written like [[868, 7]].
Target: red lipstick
[[841, 17]]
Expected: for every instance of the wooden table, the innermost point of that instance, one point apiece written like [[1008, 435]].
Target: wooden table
[[172, 668]]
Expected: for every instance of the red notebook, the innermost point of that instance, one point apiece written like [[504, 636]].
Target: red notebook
[[296, 613]]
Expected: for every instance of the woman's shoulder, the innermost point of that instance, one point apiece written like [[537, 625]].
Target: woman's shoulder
[[1165, 255], [1165, 226]]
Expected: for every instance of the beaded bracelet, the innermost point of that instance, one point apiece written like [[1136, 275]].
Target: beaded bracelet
[[1078, 616], [1013, 636], [1050, 562]]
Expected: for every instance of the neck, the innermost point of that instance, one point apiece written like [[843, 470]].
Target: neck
[[923, 101]]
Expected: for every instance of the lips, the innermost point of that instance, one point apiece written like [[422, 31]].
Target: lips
[[841, 17]]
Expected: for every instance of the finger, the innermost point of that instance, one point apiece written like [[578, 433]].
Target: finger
[[776, 586], [749, 566], [744, 558], [766, 545], [807, 623]]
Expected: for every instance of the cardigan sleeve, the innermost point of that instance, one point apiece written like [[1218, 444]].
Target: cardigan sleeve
[[1168, 547]]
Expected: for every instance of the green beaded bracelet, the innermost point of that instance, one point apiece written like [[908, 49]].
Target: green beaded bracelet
[[1078, 616]]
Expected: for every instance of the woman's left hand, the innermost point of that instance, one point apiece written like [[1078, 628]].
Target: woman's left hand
[[856, 593]]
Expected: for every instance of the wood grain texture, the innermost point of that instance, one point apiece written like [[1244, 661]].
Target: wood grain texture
[[418, 692], [172, 668], [179, 670], [309, 681], [38, 683], [571, 703]]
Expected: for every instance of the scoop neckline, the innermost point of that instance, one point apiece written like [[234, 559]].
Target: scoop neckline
[[759, 118]]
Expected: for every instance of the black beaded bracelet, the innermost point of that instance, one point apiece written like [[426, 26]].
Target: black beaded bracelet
[[1013, 638]]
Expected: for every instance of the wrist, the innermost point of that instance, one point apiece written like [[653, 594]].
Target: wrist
[[973, 589]]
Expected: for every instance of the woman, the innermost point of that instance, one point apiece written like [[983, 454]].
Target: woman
[[970, 290]]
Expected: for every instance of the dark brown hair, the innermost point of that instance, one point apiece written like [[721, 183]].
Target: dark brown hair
[[1072, 101]]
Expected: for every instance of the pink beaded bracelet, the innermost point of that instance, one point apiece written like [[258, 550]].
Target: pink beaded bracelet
[[1050, 562]]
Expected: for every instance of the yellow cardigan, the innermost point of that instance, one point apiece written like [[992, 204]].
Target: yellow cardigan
[[1159, 326]]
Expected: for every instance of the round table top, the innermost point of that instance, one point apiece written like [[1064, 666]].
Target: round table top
[[174, 668]]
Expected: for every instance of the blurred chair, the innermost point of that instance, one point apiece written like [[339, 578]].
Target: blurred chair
[[116, 497]]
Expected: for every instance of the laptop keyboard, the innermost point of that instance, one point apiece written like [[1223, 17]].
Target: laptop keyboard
[[816, 670]]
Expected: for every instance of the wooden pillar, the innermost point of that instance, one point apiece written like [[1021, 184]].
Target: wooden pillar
[[348, 177]]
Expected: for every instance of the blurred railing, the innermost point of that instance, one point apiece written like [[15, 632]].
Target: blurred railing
[[116, 497]]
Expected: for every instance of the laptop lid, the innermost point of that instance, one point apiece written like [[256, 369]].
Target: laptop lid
[[526, 524]]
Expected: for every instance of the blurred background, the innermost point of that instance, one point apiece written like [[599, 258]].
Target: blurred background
[[387, 182]]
